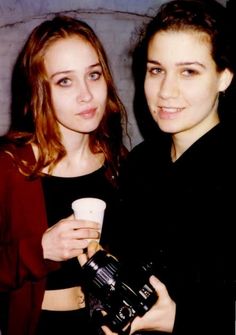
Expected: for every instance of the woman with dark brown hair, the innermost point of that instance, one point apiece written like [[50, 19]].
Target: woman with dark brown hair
[[179, 184]]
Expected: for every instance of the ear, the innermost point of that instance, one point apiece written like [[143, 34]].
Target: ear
[[226, 77]]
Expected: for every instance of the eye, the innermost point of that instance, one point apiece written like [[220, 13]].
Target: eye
[[155, 70], [64, 82], [189, 72], [96, 75]]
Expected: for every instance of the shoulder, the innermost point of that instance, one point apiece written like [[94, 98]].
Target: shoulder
[[6, 155], [22, 151], [11, 153], [222, 139], [141, 150], [140, 159], [138, 156], [150, 149]]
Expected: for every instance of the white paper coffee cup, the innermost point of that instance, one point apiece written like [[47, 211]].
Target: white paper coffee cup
[[91, 209]]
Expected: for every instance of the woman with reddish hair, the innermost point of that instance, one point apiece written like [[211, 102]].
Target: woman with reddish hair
[[65, 143]]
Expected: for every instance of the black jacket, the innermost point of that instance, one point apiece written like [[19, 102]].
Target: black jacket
[[181, 216]]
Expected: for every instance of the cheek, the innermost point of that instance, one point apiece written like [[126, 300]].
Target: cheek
[[58, 107], [61, 104], [150, 90], [201, 93], [61, 98], [56, 98], [101, 96], [146, 87]]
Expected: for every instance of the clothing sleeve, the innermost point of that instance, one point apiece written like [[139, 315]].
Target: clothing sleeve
[[22, 261], [22, 223], [205, 311], [195, 260]]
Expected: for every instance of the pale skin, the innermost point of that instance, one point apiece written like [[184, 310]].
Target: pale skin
[[182, 87], [79, 94]]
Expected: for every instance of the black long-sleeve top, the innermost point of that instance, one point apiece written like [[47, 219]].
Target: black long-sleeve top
[[182, 215]]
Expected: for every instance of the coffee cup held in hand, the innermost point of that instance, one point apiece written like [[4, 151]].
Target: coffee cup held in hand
[[91, 209]]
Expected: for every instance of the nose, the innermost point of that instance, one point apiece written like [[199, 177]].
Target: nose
[[84, 93], [169, 87]]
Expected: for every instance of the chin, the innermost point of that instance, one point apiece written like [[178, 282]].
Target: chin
[[90, 129], [168, 129]]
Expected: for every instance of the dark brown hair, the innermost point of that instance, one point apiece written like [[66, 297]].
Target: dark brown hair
[[208, 17], [202, 16]]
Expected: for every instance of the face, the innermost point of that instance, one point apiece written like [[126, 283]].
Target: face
[[182, 84], [78, 87]]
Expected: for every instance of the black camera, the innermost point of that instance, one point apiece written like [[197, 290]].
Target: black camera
[[124, 293]]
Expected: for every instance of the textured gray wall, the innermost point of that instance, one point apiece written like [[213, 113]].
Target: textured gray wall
[[115, 21]]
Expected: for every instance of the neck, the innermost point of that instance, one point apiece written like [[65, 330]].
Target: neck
[[78, 161]]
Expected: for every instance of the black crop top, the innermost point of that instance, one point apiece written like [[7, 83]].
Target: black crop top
[[59, 193]]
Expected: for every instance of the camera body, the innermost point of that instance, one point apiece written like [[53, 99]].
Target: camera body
[[124, 294]]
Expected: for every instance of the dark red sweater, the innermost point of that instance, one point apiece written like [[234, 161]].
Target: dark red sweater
[[23, 220]]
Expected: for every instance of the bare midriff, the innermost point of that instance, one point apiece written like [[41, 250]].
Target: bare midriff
[[67, 299]]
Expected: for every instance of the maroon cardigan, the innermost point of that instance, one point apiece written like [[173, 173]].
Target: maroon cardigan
[[23, 269]]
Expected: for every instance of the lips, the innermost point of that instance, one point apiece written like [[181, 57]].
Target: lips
[[169, 112], [170, 109], [87, 113]]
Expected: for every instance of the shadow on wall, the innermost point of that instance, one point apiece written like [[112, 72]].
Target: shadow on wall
[[20, 93], [147, 126]]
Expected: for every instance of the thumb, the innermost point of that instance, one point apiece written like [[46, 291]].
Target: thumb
[[82, 258], [107, 331], [93, 247], [158, 286]]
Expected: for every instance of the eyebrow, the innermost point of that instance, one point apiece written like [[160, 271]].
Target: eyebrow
[[178, 64], [90, 67]]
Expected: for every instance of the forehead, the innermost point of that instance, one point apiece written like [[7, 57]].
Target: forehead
[[182, 45], [70, 52], [69, 44]]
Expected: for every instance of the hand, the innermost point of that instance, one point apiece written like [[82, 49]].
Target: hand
[[93, 247], [68, 238], [160, 317]]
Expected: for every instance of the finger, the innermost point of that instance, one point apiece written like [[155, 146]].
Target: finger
[[159, 287], [67, 224], [82, 259], [76, 244], [84, 233], [93, 247], [107, 331], [87, 224]]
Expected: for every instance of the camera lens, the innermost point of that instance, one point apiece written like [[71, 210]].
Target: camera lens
[[123, 293], [101, 271]]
